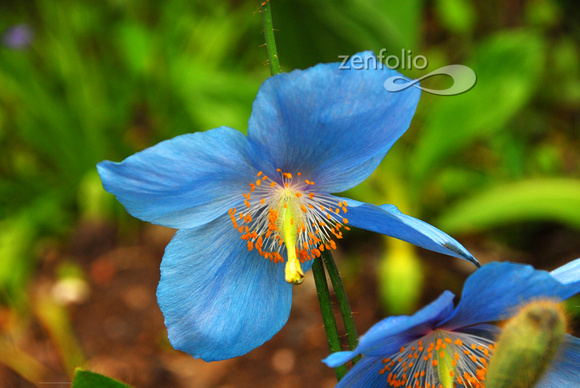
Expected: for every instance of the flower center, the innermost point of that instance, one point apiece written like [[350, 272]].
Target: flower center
[[288, 215], [440, 359]]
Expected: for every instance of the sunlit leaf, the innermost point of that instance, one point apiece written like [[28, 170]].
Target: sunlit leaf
[[556, 199]]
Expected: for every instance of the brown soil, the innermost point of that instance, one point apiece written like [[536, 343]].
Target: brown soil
[[120, 328]]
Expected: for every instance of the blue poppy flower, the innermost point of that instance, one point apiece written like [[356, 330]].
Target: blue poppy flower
[[411, 350], [253, 212]]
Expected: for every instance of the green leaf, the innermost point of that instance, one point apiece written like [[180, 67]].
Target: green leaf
[[135, 43], [555, 199], [16, 239], [86, 379], [312, 32], [508, 66], [457, 15], [543, 13], [94, 203], [399, 21]]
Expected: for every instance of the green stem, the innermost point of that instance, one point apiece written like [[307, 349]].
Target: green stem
[[327, 313], [343, 302], [269, 36]]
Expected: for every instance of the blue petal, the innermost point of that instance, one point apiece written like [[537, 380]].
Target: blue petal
[[483, 330], [339, 358], [183, 182], [387, 336], [387, 219], [219, 300], [565, 369], [569, 273], [495, 291], [365, 374], [334, 126]]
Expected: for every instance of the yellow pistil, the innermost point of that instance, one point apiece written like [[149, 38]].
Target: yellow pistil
[[293, 271], [445, 369]]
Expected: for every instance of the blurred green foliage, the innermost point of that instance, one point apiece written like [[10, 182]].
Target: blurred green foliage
[[87, 379], [102, 80]]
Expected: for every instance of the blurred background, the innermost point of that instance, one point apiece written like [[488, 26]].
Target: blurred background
[[83, 81]]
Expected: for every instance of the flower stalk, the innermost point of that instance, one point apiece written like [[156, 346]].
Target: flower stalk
[[269, 36], [343, 302], [327, 313]]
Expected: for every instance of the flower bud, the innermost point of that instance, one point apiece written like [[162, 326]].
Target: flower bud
[[528, 343]]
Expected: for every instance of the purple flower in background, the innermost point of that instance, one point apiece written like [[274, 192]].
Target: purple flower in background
[[18, 37]]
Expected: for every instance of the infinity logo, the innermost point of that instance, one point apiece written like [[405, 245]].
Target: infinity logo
[[463, 79]]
